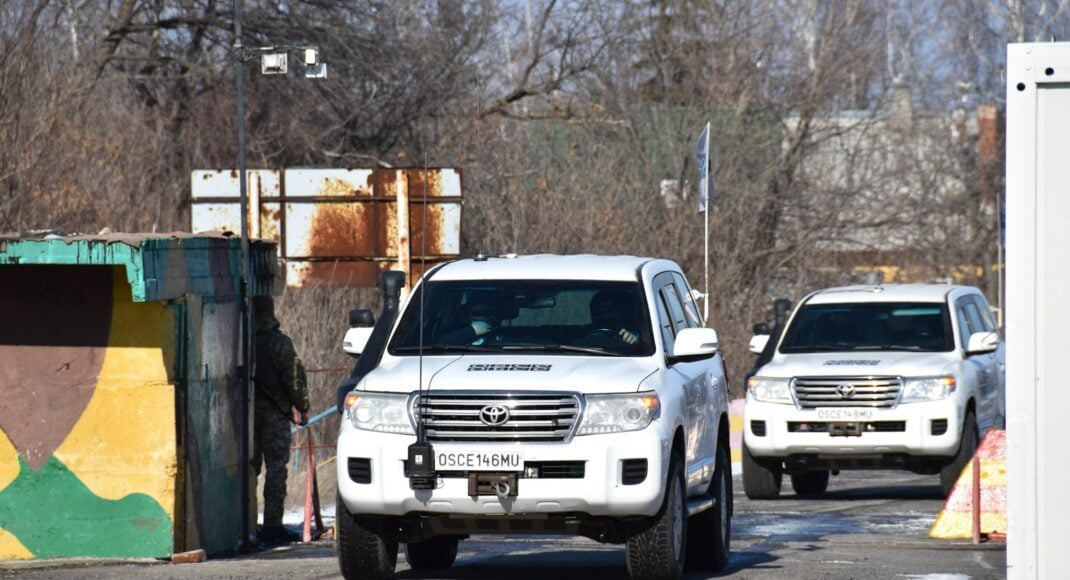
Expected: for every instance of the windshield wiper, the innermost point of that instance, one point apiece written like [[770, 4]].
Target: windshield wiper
[[442, 348], [562, 348], [910, 347]]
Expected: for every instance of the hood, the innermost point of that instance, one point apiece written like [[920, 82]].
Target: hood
[[907, 364], [511, 372]]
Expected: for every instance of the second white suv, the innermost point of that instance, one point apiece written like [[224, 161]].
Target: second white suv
[[874, 377]]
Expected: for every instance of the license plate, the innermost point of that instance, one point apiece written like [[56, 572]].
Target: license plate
[[478, 460], [834, 414]]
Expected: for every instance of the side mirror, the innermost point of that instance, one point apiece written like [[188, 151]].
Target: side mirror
[[356, 339], [982, 342], [694, 344], [361, 322], [761, 328], [758, 343], [361, 318]]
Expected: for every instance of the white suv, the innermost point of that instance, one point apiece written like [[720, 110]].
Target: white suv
[[874, 377], [510, 399]]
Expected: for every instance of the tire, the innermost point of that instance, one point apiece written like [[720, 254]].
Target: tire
[[436, 553], [362, 552], [658, 552], [761, 479], [949, 475], [709, 533], [810, 482]]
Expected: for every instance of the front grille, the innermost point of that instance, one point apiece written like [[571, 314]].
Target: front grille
[[360, 469], [532, 417], [633, 471], [813, 392]]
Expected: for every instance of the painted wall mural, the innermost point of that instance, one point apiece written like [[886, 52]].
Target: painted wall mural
[[120, 398], [88, 458]]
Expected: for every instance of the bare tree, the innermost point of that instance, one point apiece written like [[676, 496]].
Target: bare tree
[[846, 135]]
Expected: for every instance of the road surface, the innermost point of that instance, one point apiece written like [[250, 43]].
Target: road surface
[[868, 525]]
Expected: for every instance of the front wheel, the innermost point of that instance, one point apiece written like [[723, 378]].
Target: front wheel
[[433, 553], [363, 552], [949, 475], [810, 482], [657, 553], [761, 478], [709, 533]]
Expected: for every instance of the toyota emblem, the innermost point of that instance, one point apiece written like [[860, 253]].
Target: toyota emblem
[[494, 415], [845, 391]]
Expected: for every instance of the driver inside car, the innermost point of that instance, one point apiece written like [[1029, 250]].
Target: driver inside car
[[607, 308], [483, 320]]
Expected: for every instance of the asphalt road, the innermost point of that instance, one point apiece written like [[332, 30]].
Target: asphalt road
[[868, 525]]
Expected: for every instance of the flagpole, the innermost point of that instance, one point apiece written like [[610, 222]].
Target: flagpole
[[706, 223], [706, 253]]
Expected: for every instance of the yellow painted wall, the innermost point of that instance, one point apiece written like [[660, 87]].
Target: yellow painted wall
[[125, 440]]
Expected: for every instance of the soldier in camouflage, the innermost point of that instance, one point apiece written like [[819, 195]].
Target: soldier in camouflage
[[281, 398]]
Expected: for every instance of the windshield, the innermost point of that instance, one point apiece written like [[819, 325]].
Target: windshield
[[509, 316], [900, 326]]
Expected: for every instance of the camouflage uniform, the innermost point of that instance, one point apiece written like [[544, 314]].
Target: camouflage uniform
[[280, 383]]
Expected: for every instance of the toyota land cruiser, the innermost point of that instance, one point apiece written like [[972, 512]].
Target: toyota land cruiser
[[536, 395], [873, 377]]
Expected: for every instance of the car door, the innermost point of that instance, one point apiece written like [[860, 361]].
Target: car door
[[975, 370], [989, 413], [717, 396], [998, 362], [691, 378]]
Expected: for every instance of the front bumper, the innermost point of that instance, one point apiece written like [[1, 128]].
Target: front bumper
[[917, 438], [600, 492]]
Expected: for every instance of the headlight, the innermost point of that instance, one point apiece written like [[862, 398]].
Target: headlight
[[770, 390], [379, 412], [619, 413], [927, 389]]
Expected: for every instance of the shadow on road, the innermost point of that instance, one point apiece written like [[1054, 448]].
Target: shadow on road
[[863, 490], [900, 492], [586, 564], [572, 564]]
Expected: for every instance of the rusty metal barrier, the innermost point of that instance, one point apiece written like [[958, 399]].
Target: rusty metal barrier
[[312, 491], [308, 446]]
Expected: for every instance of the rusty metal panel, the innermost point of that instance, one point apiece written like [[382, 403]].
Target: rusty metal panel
[[341, 226], [215, 201], [329, 214]]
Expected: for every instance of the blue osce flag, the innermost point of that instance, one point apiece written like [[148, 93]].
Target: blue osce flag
[[702, 161]]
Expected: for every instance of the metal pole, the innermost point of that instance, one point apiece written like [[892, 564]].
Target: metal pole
[[243, 286], [999, 261], [707, 170], [975, 491], [706, 239]]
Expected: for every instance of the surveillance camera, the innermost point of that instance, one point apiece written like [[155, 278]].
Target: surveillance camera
[[316, 71], [273, 63]]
